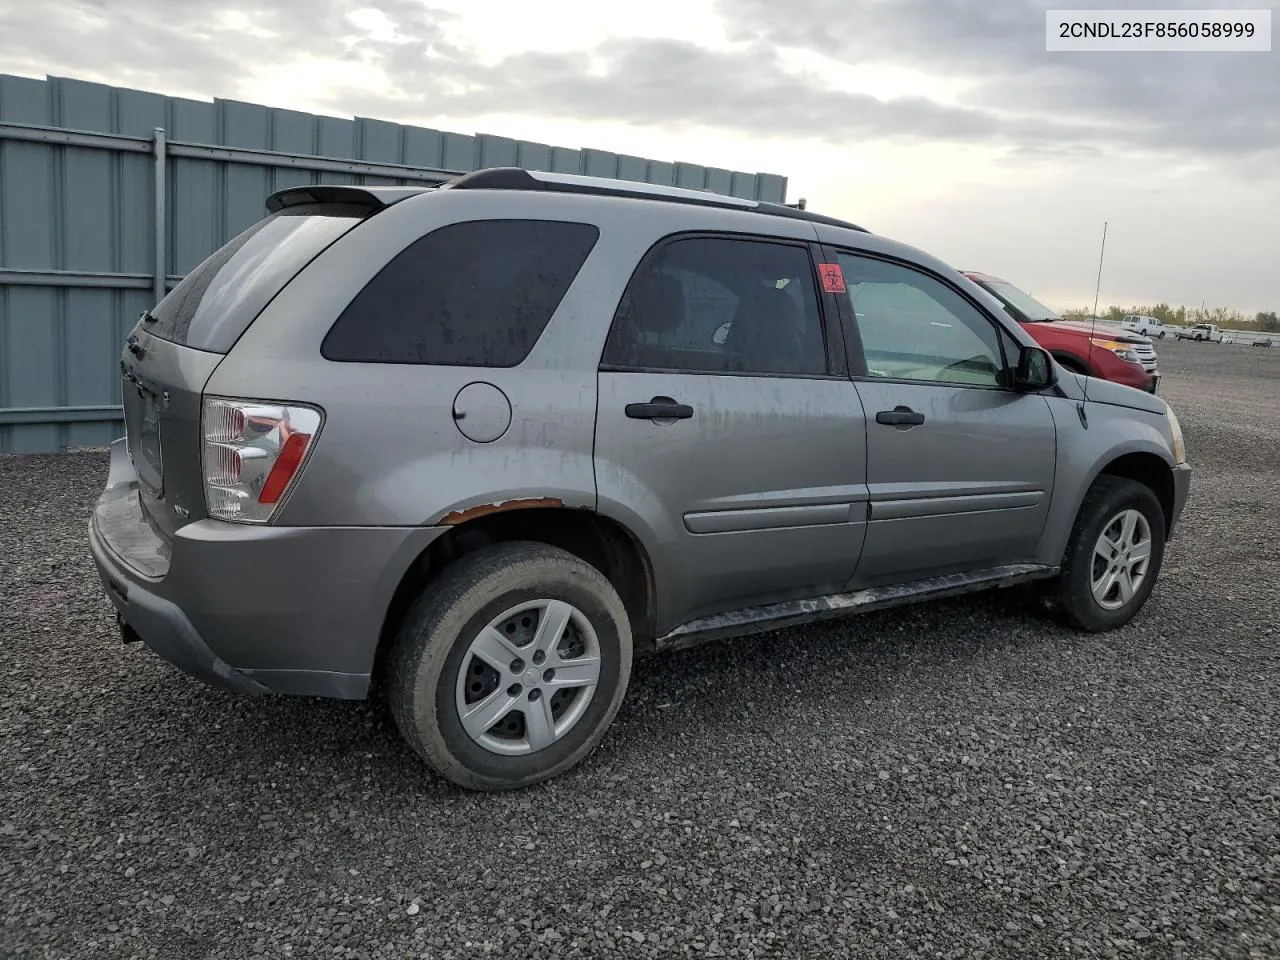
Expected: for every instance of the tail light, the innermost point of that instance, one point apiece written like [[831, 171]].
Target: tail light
[[253, 453]]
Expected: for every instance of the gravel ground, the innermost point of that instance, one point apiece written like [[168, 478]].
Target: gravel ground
[[961, 780]]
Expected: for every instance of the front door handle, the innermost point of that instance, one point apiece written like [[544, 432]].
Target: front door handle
[[659, 408], [900, 417]]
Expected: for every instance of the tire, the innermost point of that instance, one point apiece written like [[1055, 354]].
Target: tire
[[427, 696], [1108, 499]]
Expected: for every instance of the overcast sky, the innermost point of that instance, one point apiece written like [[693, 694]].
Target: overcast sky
[[943, 123]]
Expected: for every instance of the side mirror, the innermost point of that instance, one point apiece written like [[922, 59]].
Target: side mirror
[[1035, 370]]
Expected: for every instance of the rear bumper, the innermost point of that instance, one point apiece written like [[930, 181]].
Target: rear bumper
[[161, 624], [252, 609]]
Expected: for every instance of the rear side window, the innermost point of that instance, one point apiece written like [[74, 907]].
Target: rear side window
[[476, 294], [218, 300], [720, 305]]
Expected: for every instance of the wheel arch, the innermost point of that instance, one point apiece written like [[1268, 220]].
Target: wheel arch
[[601, 541], [1070, 361], [1149, 469]]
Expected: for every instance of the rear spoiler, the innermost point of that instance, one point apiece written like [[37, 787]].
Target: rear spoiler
[[375, 198]]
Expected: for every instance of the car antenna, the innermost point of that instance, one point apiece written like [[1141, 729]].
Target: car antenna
[[1093, 325]]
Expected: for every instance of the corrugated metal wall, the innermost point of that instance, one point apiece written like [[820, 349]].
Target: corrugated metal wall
[[78, 218]]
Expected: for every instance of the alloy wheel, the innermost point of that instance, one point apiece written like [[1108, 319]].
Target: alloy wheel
[[1120, 559]]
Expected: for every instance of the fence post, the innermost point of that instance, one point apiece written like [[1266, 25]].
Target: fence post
[[161, 229]]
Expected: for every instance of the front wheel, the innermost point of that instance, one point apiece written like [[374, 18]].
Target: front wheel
[[511, 666], [1113, 556]]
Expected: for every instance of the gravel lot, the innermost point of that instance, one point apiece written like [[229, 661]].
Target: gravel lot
[[962, 780]]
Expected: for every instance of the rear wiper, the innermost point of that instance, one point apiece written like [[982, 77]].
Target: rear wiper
[[148, 317]]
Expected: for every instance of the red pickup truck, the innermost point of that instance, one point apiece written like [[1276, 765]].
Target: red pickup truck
[[1100, 350]]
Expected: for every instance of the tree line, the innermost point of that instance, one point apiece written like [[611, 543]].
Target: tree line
[[1188, 317]]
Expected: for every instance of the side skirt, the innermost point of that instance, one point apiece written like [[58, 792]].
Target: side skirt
[[789, 613]]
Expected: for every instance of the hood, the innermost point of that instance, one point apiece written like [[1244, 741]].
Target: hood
[[1108, 391], [1108, 331]]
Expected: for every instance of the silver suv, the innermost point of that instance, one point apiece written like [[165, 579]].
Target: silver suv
[[478, 446]]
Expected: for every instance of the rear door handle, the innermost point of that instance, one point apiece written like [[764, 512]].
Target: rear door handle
[[659, 408], [900, 417]]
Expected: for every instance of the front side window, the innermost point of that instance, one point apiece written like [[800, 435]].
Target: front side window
[[914, 327], [721, 305], [475, 294]]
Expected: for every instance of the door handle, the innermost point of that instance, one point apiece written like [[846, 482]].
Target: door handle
[[900, 417], [659, 408]]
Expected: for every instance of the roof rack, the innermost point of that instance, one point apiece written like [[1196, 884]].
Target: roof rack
[[517, 178]]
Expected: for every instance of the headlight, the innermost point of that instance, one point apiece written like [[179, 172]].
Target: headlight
[[1179, 447], [1121, 350]]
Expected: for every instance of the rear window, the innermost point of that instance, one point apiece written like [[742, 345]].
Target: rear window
[[475, 294], [215, 303]]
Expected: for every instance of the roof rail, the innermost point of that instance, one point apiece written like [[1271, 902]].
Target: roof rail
[[517, 178]]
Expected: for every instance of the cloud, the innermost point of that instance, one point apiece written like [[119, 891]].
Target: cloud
[[1012, 168], [674, 83], [1211, 103], [1016, 95], [197, 45]]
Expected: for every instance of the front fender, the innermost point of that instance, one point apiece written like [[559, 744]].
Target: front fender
[[1084, 453]]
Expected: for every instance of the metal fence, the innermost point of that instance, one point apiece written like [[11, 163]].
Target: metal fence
[[108, 196]]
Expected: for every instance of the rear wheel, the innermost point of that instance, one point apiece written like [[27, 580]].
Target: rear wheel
[[1113, 556], [511, 666]]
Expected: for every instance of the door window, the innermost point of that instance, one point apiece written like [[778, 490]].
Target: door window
[[914, 327], [720, 305]]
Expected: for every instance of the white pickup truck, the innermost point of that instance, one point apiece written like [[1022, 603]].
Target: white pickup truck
[[1201, 331]]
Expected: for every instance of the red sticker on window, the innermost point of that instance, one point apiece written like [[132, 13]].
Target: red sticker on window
[[832, 277]]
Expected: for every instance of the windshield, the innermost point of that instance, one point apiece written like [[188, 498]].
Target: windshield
[[1026, 304]]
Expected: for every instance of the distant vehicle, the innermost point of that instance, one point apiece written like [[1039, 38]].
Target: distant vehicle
[[1147, 326], [1093, 347], [1207, 332], [1265, 342]]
